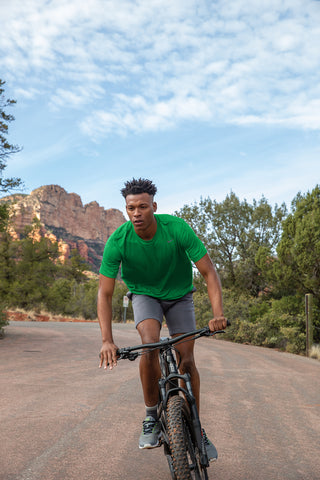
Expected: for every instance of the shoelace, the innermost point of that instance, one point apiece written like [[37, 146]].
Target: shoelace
[[148, 426]]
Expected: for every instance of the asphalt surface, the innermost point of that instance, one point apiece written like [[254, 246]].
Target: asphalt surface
[[63, 418]]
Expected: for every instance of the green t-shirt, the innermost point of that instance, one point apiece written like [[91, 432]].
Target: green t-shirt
[[160, 267]]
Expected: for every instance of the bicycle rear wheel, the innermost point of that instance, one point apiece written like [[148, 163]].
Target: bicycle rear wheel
[[184, 453]]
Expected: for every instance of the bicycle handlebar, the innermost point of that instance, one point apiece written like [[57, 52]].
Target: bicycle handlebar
[[130, 353]]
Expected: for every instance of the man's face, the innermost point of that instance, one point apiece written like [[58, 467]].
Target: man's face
[[140, 209]]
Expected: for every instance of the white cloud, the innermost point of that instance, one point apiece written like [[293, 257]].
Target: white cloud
[[76, 98], [150, 65], [27, 94]]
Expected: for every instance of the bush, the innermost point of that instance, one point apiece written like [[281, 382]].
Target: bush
[[202, 308], [263, 322], [68, 297], [295, 340], [3, 321], [87, 301], [59, 296]]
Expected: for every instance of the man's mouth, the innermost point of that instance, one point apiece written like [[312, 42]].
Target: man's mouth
[[138, 222]]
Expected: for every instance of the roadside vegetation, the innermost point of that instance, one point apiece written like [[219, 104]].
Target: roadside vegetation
[[267, 259]]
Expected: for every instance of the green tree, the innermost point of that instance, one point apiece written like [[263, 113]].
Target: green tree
[[36, 268], [7, 264], [4, 217], [6, 184], [58, 297], [299, 249], [6, 148], [75, 266], [84, 299], [264, 231], [233, 232], [8, 249]]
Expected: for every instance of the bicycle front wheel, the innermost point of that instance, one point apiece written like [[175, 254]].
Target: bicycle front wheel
[[184, 453]]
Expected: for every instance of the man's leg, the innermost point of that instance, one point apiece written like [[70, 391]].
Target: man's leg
[[187, 365], [149, 331], [180, 319]]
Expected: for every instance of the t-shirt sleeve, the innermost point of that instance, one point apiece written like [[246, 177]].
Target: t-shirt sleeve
[[111, 259], [191, 243]]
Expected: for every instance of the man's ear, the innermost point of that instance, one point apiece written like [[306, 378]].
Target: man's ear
[[155, 206]]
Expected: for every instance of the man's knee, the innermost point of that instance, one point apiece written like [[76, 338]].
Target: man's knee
[[149, 330], [187, 364]]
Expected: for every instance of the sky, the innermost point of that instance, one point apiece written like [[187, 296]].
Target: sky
[[204, 97]]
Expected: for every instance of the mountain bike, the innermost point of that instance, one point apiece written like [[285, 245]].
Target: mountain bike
[[181, 433]]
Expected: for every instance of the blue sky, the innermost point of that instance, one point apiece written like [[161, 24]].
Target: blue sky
[[203, 97]]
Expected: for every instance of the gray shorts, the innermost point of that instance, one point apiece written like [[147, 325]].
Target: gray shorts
[[179, 314]]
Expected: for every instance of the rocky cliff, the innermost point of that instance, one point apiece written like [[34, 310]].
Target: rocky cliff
[[74, 225]]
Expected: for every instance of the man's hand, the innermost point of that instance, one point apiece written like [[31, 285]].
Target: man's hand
[[217, 323], [108, 355]]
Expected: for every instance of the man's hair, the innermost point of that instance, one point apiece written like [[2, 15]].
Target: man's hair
[[142, 185]]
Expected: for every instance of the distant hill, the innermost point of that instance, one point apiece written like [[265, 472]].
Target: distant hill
[[66, 219]]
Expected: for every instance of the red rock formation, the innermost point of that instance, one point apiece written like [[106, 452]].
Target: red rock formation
[[54, 207], [65, 218]]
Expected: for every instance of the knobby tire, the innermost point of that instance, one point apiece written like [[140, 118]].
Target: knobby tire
[[185, 458]]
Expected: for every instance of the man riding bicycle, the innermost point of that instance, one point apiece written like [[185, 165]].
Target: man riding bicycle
[[155, 253]]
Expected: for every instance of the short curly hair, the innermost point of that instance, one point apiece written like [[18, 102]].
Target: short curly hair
[[135, 187]]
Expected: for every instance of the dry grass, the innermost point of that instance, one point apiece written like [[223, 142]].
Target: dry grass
[[43, 316], [315, 352]]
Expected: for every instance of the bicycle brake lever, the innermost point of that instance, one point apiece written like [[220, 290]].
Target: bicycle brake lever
[[211, 334], [208, 333], [132, 356], [125, 355]]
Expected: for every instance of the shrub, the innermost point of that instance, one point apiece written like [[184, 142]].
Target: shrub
[[263, 322], [3, 321], [202, 308], [295, 340]]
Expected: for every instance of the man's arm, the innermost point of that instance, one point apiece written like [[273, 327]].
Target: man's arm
[[207, 270], [104, 306]]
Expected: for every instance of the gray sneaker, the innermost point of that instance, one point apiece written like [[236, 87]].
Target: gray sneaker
[[150, 436], [211, 449]]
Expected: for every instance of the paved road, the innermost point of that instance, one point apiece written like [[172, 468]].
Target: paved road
[[61, 418]]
